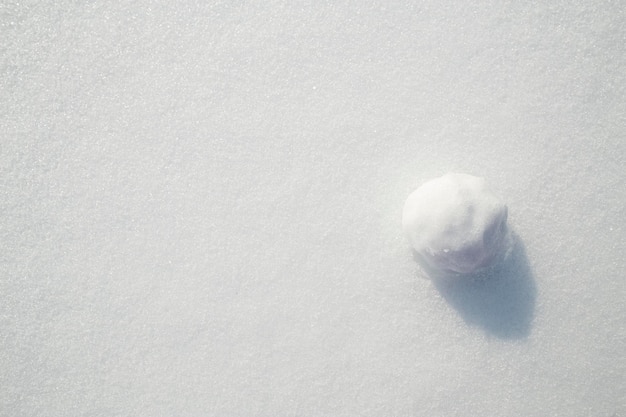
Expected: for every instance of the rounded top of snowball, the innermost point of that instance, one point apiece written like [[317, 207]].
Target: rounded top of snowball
[[454, 223]]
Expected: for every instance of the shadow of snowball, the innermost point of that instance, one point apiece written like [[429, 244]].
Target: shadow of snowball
[[500, 299]]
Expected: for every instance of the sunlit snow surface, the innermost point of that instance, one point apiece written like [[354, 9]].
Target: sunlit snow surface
[[201, 203]]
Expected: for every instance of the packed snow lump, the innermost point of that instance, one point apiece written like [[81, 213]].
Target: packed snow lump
[[455, 224]]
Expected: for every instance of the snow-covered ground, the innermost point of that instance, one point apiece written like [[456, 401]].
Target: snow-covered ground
[[200, 207]]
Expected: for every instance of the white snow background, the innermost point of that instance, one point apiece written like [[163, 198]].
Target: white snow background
[[200, 207]]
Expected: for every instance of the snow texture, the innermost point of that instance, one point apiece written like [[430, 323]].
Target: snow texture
[[455, 224], [201, 203]]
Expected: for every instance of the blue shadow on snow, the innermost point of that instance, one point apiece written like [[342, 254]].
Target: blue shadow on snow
[[501, 300]]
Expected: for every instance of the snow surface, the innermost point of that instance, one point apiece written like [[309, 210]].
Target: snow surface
[[455, 224], [200, 207]]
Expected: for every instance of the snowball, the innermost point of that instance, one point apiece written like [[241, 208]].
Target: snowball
[[455, 224]]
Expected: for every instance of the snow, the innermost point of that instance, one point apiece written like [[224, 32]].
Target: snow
[[455, 224], [201, 204]]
